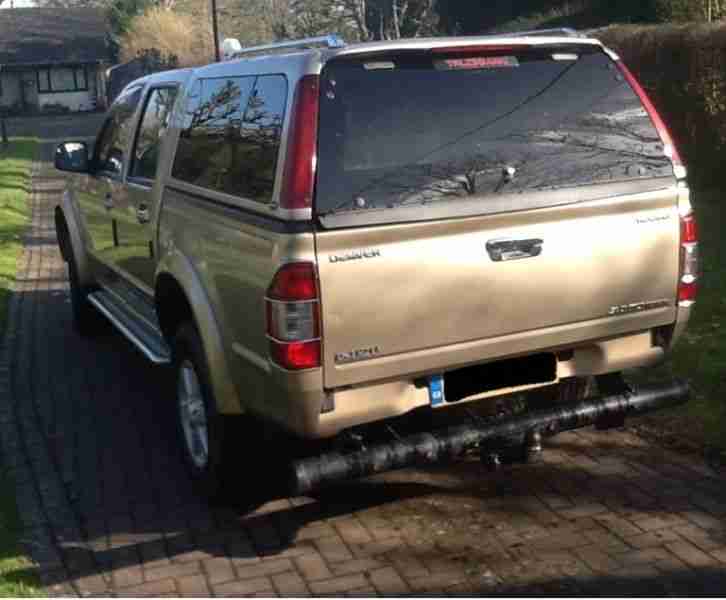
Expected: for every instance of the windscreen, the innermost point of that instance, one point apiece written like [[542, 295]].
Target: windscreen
[[419, 128]]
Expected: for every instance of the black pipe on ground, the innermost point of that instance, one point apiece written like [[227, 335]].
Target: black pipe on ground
[[604, 412]]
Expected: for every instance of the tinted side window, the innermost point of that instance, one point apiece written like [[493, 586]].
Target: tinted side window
[[262, 128], [116, 133], [213, 118], [231, 135], [154, 123]]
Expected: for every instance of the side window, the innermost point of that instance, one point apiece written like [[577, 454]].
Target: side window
[[261, 131], [231, 135], [209, 138], [183, 167], [154, 123], [116, 133]]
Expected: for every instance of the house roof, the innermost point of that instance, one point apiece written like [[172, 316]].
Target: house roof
[[44, 36]]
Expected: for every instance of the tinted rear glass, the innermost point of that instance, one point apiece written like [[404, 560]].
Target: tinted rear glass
[[422, 128]]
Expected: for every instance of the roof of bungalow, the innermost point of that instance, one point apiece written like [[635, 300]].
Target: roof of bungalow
[[50, 36]]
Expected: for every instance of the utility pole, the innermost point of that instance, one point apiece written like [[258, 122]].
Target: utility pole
[[3, 126], [215, 31]]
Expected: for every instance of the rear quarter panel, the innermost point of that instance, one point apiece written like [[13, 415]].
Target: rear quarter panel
[[235, 255]]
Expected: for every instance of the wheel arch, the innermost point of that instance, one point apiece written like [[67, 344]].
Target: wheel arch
[[180, 295], [70, 239]]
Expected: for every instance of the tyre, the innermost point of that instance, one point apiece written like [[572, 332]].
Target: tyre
[[200, 429], [87, 321]]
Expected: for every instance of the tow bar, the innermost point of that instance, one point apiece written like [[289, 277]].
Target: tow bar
[[604, 412]]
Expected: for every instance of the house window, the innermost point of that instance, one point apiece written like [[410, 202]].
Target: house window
[[81, 78], [62, 79], [44, 81]]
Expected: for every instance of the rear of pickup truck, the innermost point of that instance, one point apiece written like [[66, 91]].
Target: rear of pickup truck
[[491, 220]]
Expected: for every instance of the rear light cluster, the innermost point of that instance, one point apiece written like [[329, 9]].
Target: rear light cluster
[[298, 182], [292, 303], [293, 317], [669, 147], [688, 278], [688, 273]]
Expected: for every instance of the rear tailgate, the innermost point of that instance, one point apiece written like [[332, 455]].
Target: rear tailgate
[[486, 206]]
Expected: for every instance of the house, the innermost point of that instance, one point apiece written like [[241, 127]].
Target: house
[[53, 59]]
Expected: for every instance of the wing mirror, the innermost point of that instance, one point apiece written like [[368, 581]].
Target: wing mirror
[[72, 156]]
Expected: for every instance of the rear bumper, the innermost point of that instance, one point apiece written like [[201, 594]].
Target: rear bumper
[[369, 403], [295, 400], [607, 411]]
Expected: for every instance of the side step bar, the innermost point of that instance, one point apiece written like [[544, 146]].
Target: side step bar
[[604, 412], [145, 338]]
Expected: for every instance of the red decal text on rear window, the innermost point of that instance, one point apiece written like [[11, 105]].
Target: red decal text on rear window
[[479, 62]]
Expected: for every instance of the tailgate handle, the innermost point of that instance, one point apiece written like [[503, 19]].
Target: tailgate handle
[[503, 250]]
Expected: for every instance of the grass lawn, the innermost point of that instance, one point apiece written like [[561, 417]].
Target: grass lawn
[[14, 187], [16, 576], [700, 356]]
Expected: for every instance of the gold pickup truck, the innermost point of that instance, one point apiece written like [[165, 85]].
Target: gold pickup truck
[[319, 236]]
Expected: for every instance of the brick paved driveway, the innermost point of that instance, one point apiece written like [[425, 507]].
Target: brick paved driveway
[[109, 511]]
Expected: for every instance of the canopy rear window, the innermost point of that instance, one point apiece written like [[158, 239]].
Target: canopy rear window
[[408, 130]]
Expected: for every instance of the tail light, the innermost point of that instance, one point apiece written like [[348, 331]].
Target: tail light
[[688, 277], [669, 146], [293, 317], [300, 163]]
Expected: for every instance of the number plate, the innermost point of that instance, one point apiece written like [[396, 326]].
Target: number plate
[[436, 390]]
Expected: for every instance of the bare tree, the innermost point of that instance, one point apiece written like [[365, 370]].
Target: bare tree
[[357, 11], [171, 33], [390, 19]]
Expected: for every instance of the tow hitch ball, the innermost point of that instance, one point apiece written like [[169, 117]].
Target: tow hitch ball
[[498, 452], [527, 447]]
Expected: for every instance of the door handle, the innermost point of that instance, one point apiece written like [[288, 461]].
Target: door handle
[[503, 250], [108, 201], [142, 213]]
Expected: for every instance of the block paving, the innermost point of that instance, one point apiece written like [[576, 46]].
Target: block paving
[[87, 437]]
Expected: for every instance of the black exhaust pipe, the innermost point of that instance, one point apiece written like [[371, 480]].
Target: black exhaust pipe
[[604, 412]]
